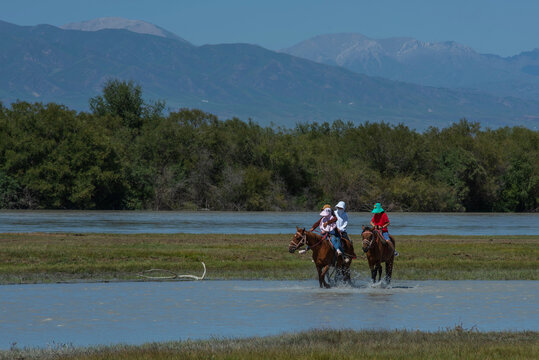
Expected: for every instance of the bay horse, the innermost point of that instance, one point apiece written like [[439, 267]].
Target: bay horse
[[377, 253], [323, 254]]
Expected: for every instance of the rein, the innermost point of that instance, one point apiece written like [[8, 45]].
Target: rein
[[318, 243], [303, 241]]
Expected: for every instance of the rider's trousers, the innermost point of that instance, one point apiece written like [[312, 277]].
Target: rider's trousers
[[335, 240]]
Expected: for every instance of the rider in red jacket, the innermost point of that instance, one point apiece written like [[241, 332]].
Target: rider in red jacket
[[380, 221]]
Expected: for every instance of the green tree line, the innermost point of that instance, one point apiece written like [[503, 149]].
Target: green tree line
[[125, 153]]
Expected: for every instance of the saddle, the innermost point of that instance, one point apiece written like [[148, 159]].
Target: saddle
[[348, 249], [384, 241]]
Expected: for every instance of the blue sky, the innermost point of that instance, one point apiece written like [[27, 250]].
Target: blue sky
[[489, 26]]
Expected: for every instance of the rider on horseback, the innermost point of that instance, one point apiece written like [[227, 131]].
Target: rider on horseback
[[327, 206], [342, 219], [380, 221], [328, 224], [328, 227]]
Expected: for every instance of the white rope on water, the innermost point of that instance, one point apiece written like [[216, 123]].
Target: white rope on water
[[173, 275]]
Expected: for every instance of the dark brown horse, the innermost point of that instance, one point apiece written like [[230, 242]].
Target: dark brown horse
[[324, 254], [378, 252]]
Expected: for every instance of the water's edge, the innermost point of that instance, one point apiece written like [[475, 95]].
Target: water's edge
[[131, 222]]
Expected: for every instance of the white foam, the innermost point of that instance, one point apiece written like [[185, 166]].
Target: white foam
[[312, 287]]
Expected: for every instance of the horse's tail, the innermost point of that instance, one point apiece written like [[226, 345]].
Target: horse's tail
[[393, 241], [349, 248]]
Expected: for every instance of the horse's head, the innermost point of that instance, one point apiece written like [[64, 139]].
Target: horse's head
[[368, 238], [299, 239]]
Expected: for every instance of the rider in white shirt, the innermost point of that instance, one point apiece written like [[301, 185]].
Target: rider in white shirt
[[342, 219]]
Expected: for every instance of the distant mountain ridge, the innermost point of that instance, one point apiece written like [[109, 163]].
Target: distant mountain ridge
[[443, 64], [118, 23], [48, 64]]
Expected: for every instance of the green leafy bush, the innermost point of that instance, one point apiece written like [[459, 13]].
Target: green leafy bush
[[128, 154]]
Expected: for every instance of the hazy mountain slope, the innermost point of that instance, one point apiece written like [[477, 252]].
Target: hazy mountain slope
[[118, 23], [45, 63], [444, 64]]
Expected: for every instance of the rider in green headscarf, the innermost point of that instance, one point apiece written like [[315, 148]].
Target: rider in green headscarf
[[380, 221]]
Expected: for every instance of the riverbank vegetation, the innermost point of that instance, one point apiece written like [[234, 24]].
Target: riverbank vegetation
[[127, 154], [454, 343], [41, 258]]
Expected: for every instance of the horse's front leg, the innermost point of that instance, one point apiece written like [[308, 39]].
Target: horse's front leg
[[323, 277], [320, 277], [373, 272], [379, 267]]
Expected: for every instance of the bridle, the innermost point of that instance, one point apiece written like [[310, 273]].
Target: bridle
[[300, 243], [369, 242], [303, 241]]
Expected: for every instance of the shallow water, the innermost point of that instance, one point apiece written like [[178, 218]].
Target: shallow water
[[129, 222], [139, 312]]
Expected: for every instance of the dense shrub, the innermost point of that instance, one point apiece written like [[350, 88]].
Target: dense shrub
[[126, 154]]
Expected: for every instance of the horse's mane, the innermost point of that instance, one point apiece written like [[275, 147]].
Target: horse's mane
[[367, 228], [313, 233]]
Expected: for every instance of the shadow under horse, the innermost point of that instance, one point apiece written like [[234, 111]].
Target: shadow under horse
[[324, 254], [377, 252]]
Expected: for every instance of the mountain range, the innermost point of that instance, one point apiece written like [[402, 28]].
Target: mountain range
[[70, 65], [443, 64]]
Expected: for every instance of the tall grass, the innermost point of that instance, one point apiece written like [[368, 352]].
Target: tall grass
[[456, 343]]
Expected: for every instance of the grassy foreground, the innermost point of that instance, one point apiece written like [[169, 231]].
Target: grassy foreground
[[316, 344], [28, 258]]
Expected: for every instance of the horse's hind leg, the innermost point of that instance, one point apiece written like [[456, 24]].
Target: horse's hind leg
[[379, 267], [346, 275], [389, 271], [338, 274], [322, 277], [343, 271]]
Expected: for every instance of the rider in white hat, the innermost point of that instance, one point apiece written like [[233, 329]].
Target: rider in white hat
[[328, 225], [342, 219]]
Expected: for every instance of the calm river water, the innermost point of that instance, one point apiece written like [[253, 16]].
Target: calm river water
[[140, 312], [128, 222]]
